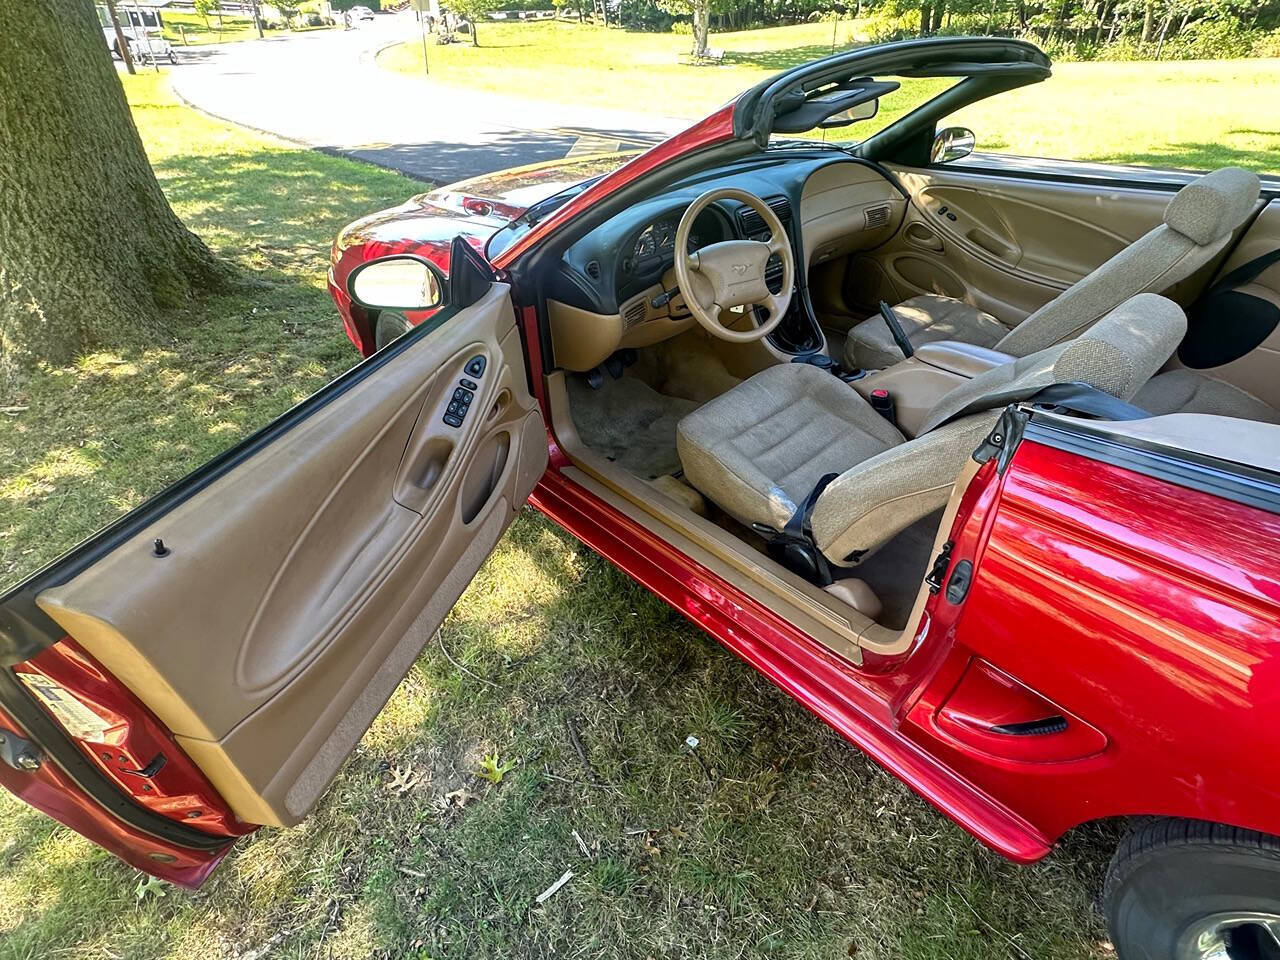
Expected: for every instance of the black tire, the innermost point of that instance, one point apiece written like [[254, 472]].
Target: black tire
[[1172, 880]]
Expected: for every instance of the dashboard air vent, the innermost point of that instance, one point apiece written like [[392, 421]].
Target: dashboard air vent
[[877, 216], [593, 269], [752, 224], [633, 314]]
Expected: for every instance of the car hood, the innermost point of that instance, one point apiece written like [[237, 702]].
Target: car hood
[[479, 206]]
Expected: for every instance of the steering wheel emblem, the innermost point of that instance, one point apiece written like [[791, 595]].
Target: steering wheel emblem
[[739, 268]]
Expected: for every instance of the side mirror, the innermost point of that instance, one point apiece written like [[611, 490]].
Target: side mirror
[[862, 111], [397, 283], [952, 143]]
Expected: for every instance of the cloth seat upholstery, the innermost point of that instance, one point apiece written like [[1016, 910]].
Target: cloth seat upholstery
[[759, 450], [1190, 391]]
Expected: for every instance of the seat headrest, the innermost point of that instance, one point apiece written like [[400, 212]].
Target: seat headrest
[[1118, 354], [1209, 208]]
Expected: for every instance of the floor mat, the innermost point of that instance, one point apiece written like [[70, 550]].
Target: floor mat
[[629, 422], [897, 569]]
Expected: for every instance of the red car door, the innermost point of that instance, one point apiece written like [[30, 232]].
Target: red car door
[[1108, 623], [205, 664]]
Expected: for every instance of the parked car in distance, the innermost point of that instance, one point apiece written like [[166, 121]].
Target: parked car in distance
[[361, 13], [141, 29]]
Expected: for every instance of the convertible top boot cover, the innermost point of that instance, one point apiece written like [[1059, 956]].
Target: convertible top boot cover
[[1198, 224]]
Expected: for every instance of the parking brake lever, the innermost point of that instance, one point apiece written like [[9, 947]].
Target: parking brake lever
[[895, 328]]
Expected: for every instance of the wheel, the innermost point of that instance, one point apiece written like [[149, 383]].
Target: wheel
[[389, 326], [1191, 890], [173, 58]]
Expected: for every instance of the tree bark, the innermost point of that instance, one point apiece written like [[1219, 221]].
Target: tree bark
[[1148, 21], [926, 11], [90, 252], [701, 25], [939, 8]]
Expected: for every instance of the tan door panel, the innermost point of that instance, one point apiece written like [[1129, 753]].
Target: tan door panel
[[302, 583], [1258, 371], [1004, 244]]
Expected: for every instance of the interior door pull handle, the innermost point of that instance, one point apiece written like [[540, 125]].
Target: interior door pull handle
[[993, 245]]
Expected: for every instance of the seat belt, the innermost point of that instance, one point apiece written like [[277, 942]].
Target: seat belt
[[896, 331], [1074, 397], [794, 547]]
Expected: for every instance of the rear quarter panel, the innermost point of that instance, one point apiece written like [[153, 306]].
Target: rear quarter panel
[[1148, 609]]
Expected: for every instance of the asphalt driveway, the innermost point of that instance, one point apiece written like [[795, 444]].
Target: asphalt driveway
[[324, 90]]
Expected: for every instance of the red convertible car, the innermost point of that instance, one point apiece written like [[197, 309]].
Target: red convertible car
[[977, 459]]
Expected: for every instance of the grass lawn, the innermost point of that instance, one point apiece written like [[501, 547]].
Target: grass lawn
[[190, 29], [783, 842], [1193, 114]]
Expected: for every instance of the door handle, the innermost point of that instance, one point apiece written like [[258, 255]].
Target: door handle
[[992, 244], [424, 464], [923, 236]]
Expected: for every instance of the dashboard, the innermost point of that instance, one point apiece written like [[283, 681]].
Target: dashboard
[[606, 292], [652, 250]]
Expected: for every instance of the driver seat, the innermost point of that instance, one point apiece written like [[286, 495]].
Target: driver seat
[[760, 450]]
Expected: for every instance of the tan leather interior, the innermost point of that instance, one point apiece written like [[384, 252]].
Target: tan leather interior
[[1014, 245], [1196, 227], [304, 581]]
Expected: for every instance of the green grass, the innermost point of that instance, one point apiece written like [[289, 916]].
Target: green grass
[[784, 842], [195, 32], [1190, 114]]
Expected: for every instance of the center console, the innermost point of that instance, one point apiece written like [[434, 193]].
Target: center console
[[937, 368]]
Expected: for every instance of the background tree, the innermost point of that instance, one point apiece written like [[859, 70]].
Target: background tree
[[473, 11], [90, 252], [288, 9], [701, 13], [204, 8]]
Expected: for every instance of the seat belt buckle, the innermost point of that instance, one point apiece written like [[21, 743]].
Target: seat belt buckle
[[882, 403]]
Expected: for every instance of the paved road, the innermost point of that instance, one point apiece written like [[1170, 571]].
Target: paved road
[[323, 89]]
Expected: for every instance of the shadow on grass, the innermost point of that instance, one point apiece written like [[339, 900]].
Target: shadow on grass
[[787, 57], [1198, 156], [780, 812]]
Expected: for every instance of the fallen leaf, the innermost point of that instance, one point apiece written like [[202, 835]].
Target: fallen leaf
[[403, 779]]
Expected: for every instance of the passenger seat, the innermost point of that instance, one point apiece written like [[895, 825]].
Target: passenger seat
[[1190, 391], [1198, 224]]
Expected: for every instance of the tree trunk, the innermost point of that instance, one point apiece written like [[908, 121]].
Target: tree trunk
[[701, 25], [939, 8], [925, 18], [1148, 21], [90, 252], [125, 54]]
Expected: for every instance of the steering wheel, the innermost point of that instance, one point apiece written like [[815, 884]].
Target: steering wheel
[[731, 273]]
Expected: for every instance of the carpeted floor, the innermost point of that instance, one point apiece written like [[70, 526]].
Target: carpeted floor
[[897, 569], [629, 422]]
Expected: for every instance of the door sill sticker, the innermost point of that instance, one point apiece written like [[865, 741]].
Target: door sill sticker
[[78, 720]]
